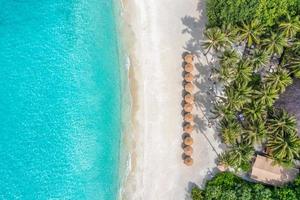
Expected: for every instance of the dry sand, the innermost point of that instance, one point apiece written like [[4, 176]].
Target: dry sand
[[161, 31]]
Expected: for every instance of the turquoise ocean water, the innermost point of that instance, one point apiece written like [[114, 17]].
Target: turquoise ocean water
[[59, 100]]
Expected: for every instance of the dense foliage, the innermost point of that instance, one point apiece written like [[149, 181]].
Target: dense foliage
[[268, 12], [227, 186], [255, 64], [257, 46]]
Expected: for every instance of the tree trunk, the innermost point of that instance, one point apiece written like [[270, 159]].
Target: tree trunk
[[282, 55], [245, 49], [208, 63], [205, 54]]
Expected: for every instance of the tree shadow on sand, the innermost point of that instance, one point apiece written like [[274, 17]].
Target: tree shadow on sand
[[205, 96], [195, 27], [209, 175]]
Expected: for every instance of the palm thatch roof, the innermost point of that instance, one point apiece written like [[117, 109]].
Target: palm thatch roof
[[290, 101], [264, 170]]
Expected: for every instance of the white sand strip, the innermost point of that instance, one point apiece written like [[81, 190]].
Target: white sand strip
[[158, 172]]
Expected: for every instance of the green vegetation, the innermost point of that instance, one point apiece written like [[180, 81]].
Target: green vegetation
[[257, 43], [254, 78], [227, 186], [267, 12]]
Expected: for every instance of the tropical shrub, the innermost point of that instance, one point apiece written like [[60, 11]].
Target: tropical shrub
[[268, 12], [221, 12], [227, 186], [197, 194], [271, 11], [285, 193]]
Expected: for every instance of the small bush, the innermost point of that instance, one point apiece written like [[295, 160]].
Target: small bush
[[197, 194], [227, 186], [268, 12]]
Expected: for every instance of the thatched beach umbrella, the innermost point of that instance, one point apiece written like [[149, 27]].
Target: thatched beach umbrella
[[188, 117], [188, 128], [189, 87], [189, 58], [188, 107], [188, 150], [188, 77], [189, 68], [188, 161], [188, 140], [189, 98]]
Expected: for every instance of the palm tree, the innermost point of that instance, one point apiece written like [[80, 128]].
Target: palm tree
[[259, 59], [255, 112], [215, 40], [278, 80], [251, 32], [274, 44], [233, 101], [230, 130], [280, 121], [238, 155], [230, 32], [284, 146], [229, 57], [295, 47], [266, 96], [221, 111], [244, 72], [237, 95], [294, 66], [290, 27], [255, 132], [227, 74], [292, 58]]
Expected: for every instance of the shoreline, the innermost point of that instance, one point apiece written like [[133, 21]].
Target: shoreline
[[128, 109], [129, 142]]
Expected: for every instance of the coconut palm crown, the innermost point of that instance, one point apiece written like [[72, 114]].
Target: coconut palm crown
[[259, 59], [255, 132], [280, 121], [274, 44], [251, 32], [237, 156], [230, 130], [215, 40], [290, 27], [278, 80], [284, 146]]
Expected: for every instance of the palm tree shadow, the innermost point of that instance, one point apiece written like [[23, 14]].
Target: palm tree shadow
[[188, 190], [209, 175], [200, 124], [195, 26], [204, 96]]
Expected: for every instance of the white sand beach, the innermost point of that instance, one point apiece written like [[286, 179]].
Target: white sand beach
[[162, 30]]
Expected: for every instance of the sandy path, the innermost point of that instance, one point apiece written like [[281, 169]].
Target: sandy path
[[162, 30]]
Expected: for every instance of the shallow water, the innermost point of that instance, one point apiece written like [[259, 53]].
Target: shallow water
[[59, 100]]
